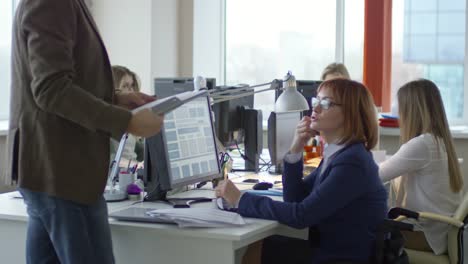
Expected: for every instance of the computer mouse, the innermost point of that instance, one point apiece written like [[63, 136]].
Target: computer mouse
[[262, 186], [251, 180]]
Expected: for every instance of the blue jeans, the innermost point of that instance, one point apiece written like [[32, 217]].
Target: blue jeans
[[62, 231]]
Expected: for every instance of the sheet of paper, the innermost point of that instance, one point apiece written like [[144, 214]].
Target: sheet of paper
[[199, 217]]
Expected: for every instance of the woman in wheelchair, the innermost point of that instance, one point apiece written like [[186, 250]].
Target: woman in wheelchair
[[342, 201], [425, 171]]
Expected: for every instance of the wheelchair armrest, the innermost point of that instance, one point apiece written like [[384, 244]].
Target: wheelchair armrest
[[398, 211], [399, 214], [441, 218], [390, 225]]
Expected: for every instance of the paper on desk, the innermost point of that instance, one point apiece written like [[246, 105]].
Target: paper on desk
[[198, 217]]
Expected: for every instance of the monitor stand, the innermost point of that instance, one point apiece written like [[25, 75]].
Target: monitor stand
[[186, 202], [176, 202]]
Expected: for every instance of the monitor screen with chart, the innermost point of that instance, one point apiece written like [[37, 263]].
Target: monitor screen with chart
[[184, 152]]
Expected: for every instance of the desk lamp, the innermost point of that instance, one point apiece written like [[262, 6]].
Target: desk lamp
[[289, 101]]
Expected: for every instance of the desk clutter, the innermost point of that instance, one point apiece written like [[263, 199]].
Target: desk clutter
[[388, 121]]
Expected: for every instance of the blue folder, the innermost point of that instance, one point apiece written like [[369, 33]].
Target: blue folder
[[271, 192]]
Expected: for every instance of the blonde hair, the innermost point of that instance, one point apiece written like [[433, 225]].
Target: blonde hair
[[335, 68], [118, 72], [422, 111], [360, 121]]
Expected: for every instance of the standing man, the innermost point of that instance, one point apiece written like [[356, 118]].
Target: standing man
[[63, 111]]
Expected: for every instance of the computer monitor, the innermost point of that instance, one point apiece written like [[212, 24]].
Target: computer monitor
[[236, 122], [228, 116], [184, 152], [280, 134]]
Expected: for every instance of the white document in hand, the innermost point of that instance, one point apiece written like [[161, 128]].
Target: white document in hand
[[170, 103], [198, 217]]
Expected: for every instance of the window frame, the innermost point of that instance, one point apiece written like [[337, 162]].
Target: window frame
[[464, 120], [217, 38], [205, 16]]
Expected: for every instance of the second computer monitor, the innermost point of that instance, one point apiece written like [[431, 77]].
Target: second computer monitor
[[184, 152]]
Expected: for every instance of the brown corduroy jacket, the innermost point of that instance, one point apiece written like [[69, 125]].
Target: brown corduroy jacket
[[61, 113]]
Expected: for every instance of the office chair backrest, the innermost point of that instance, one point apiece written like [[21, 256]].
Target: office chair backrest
[[454, 243], [462, 210]]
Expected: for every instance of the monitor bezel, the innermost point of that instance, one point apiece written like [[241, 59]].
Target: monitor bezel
[[192, 180]]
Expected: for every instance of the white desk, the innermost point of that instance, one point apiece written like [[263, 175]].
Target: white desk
[[150, 243]]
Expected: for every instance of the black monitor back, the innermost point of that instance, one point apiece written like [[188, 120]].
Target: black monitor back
[[156, 178], [164, 87], [229, 118]]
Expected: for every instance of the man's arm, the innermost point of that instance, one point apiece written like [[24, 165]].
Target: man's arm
[[50, 31]]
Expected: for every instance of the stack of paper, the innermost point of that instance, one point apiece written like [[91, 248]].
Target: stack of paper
[[198, 217]]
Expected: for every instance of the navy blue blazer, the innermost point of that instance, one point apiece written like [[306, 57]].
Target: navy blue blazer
[[346, 204]]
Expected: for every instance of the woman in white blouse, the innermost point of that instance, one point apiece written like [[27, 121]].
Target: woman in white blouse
[[425, 168]]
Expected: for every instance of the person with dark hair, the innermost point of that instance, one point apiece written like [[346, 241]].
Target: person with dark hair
[[425, 171], [343, 201]]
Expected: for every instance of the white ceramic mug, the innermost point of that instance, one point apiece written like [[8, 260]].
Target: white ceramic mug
[[125, 179]]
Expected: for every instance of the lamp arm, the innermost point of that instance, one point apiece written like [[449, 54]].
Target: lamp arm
[[222, 98], [231, 94]]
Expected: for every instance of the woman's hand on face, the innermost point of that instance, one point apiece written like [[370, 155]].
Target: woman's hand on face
[[228, 191], [303, 134]]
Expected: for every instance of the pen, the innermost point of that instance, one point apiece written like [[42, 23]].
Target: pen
[[128, 166], [134, 168]]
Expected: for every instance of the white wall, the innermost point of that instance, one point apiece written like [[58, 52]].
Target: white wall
[[141, 35], [186, 17], [164, 38], [208, 35], [125, 27]]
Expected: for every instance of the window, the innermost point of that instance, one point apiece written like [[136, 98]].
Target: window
[[428, 41], [6, 17], [354, 38], [296, 35]]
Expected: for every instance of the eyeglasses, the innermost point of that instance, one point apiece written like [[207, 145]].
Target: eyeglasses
[[324, 103]]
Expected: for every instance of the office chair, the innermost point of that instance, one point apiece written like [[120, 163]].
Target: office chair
[[458, 222], [389, 242]]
